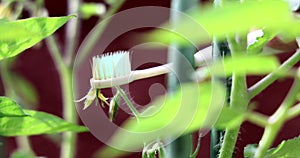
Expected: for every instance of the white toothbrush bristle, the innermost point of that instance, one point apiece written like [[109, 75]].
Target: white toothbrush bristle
[[111, 65]]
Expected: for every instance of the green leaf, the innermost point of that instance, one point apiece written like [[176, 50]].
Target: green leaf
[[186, 111], [16, 36], [229, 118], [36, 123], [245, 64], [9, 108], [26, 93], [250, 150], [286, 149], [224, 21]]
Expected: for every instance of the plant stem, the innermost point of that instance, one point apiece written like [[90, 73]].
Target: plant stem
[[257, 118], [72, 31], [294, 111], [269, 79], [238, 101], [128, 102], [69, 112], [277, 120], [65, 70], [55, 53], [195, 153]]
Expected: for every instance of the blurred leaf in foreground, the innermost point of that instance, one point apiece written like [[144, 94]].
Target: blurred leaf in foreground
[[189, 109], [229, 118], [224, 21], [245, 64], [169, 119]]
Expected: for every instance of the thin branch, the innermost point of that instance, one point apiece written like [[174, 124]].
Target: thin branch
[[195, 153], [277, 120], [55, 52], [294, 111], [269, 79], [128, 102], [258, 119]]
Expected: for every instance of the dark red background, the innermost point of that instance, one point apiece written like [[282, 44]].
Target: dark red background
[[37, 66]]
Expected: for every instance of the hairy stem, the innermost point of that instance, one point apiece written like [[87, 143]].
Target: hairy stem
[[68, 147], [238, 101], [128, 102]]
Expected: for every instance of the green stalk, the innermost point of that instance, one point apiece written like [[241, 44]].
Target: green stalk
[[294, 111], [269, 79], [195, 153], [277, 120], [128, 102], [68, 147], [181, 147], [257, 118], [68, 144], [238, 101], [72, 31]]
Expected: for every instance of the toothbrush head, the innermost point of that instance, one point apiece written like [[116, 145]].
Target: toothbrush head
[[111, 65]]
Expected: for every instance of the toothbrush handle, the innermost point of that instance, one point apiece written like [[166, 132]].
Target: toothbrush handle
[[135, 75], [151, 72]]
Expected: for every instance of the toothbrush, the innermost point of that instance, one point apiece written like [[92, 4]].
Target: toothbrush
[[114, 69]]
